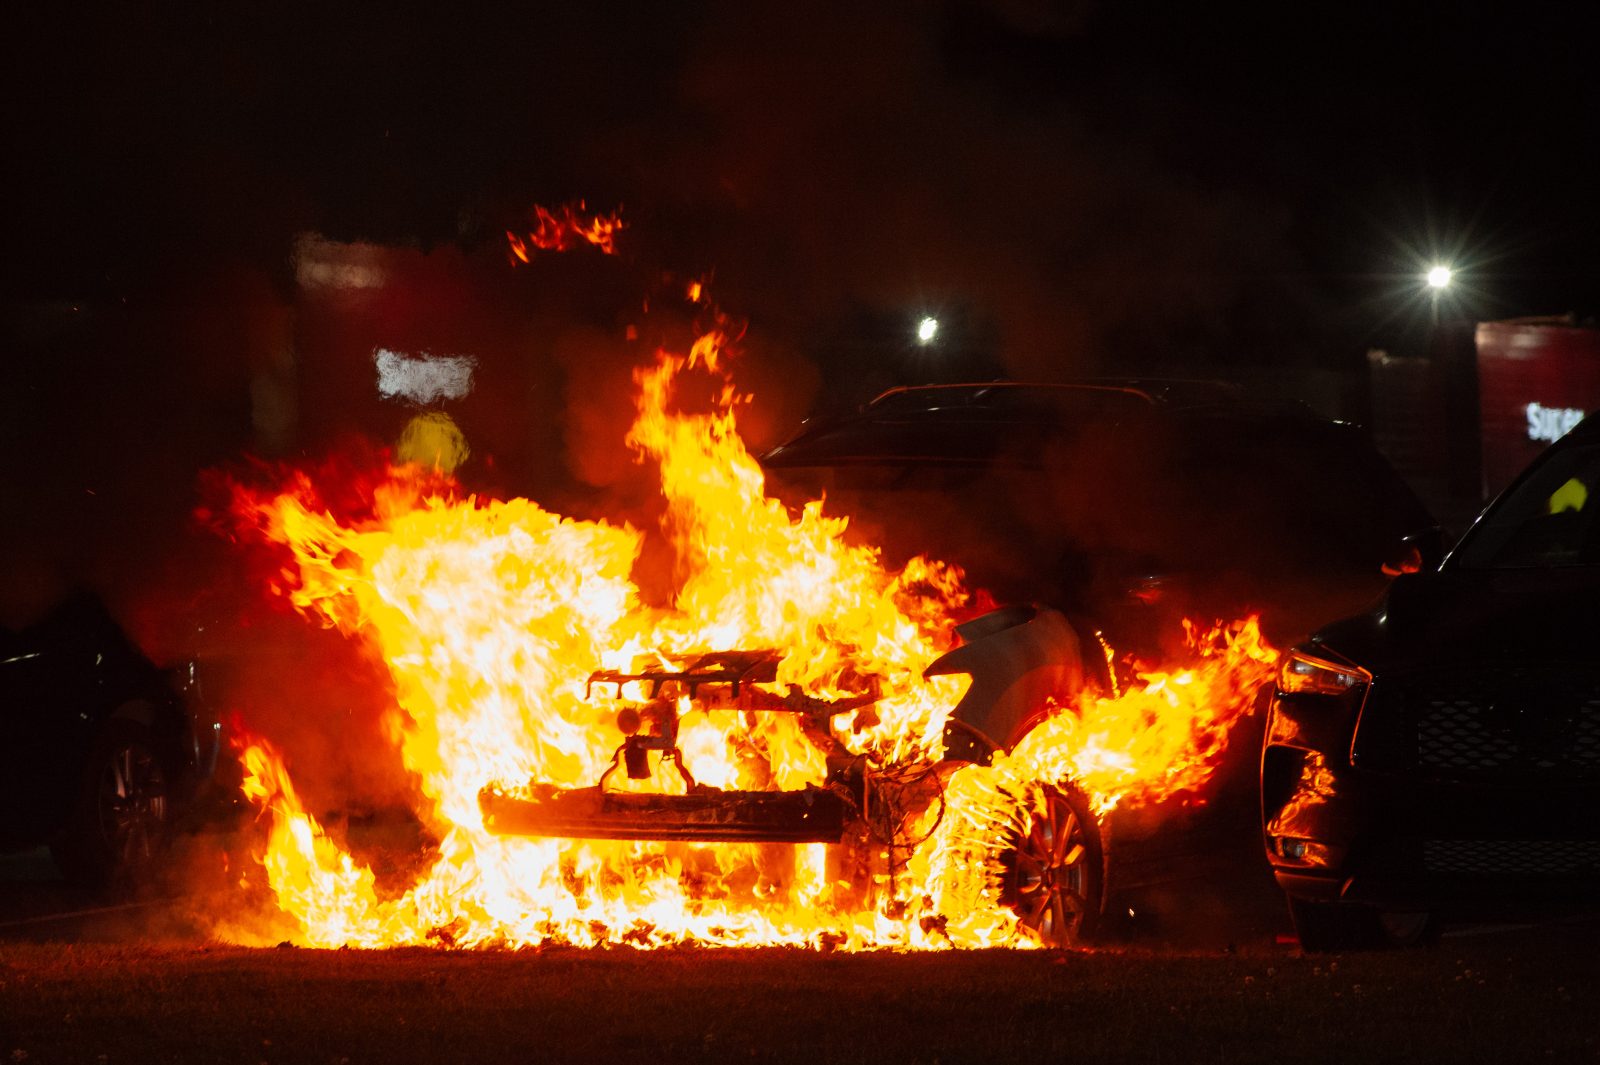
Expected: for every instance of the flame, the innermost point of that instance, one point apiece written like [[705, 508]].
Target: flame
[[566, 227], [490, 615], [1160, 736]]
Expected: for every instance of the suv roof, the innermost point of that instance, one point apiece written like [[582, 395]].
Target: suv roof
[[1010, 422], [1097, 395], [1064, 494]]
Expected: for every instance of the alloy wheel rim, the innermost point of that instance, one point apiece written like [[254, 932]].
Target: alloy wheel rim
[[1051, 873], [132, 799]]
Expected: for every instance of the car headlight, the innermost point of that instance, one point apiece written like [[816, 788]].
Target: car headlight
[[1303, 673]]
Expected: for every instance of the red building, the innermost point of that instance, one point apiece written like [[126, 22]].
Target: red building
[[1537, 378]]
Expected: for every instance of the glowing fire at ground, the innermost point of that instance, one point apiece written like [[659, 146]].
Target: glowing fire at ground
[[491, 614]]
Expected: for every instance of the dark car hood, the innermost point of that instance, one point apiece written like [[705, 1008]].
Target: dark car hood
[[1477, 616]]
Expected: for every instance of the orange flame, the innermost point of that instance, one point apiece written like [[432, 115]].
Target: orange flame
[[1156, 738], [569, 226], [490, 614]]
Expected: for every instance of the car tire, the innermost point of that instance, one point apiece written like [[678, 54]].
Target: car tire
[[121, 815], [1326, 927], [1055, 870]]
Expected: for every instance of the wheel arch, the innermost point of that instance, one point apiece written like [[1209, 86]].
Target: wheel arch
[[1019, 657]]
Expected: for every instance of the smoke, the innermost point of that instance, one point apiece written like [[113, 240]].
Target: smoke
[[867, 167], [840, 172], [597, 408]]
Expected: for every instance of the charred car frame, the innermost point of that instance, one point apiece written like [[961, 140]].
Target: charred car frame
[[1052, 869]]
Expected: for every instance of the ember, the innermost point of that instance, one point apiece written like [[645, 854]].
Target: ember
[[761, 761], [564, 228]]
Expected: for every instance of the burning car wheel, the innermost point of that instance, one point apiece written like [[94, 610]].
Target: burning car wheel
[[121, 820], [1054, 872]]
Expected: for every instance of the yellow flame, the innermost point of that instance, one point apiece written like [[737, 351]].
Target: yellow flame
[[491, 614]]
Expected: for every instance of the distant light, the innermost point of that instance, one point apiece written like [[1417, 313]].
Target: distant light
[[1439, 276], [433, 439], [927, 329], [320, 263], [423, 378], [1549, 424]]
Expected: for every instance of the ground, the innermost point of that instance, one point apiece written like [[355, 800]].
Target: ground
[[129, 985], [1490, 998]]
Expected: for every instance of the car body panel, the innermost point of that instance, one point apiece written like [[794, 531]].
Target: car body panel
[[1019, 658]]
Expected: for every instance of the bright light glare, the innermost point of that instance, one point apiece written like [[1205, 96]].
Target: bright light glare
[[1439, 276], [927, 329], [423, 378]]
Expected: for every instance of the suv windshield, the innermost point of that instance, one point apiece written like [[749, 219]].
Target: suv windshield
[[1550, 519], [1069, 506]]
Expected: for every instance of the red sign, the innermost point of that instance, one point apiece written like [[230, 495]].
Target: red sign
[[1537, 378]]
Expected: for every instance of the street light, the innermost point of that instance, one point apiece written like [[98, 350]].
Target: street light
[[927, 329], [1438, 278]]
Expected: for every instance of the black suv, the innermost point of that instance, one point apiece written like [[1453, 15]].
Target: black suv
[[1125, 504], [1440, 753]]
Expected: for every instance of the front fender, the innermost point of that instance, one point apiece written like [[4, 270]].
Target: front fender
[[1017, 657]]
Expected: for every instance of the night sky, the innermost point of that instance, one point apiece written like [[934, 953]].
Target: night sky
[[1257, 176], [1085, 189]]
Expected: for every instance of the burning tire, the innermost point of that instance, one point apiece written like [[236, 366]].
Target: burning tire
[[120, 821], [1054, 868]]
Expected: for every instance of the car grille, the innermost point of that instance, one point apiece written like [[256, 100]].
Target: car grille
[[1517, 857], [1485, 724]]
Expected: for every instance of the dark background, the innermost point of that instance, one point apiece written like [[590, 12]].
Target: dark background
[[1218, 190]]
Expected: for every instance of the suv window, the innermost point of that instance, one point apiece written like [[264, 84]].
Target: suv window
[[1550, 519]]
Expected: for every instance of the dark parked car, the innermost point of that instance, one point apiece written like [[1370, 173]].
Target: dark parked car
[[1125, 506], [1440, 753], [97, 749], [1084, 507]]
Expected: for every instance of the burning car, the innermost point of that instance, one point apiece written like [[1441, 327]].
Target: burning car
[[790, 742], [1440, 753], [1128, 506]]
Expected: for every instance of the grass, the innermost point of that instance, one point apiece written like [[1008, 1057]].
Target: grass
[[1510, 997]]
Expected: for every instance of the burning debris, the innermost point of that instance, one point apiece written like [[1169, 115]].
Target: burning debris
[[768, 758], [563, 228]]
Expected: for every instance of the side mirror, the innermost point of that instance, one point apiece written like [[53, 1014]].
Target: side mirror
[[1420, 552]]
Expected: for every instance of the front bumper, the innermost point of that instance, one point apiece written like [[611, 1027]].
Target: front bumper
[[1507, 877], [705, 815], [1401, 840]]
